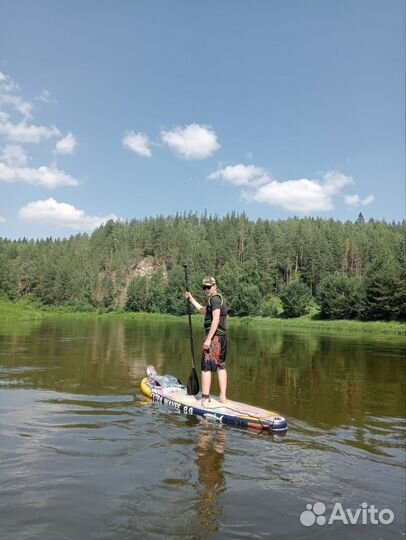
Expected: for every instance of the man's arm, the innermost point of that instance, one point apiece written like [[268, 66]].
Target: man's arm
[[198, 307]]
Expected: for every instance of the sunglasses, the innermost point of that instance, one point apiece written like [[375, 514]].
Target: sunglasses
[[207, 287]]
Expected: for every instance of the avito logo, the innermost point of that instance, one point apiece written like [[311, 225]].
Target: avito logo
[[365, 514]]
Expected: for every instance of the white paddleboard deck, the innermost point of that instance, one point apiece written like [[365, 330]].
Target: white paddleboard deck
[[231, 412]]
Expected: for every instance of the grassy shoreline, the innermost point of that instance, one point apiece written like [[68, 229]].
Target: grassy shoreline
[[24, 311]]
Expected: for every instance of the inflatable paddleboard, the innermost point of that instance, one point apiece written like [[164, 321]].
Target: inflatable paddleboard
[[167, 390]]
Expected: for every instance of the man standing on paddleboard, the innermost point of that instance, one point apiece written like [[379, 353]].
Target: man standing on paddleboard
[[215, 344]]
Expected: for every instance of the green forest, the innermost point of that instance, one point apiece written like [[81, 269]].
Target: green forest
[[284, 268]]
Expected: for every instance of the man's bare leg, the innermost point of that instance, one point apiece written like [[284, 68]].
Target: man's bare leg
[[206, 382], [222, 374]]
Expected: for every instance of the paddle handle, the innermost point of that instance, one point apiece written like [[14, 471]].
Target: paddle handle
[[192, 345]]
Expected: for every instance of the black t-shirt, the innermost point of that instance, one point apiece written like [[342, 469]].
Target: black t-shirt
[[216, 302]]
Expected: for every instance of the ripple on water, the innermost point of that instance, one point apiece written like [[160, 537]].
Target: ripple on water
[[81, 457]]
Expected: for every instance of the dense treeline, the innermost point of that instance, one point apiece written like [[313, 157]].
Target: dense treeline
[[350, 270]]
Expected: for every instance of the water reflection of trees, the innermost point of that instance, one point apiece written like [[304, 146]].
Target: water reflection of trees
[[89, 356], [325, 380], [210, 447]]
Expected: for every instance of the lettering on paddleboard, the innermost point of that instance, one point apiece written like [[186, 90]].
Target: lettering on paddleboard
[[185, 409], [162, 400]]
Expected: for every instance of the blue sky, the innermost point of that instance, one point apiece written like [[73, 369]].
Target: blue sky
[[140, 108]]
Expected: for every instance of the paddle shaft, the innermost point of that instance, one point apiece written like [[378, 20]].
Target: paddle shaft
[[192, 345]]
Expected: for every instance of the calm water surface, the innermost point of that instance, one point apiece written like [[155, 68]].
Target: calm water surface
[[85, 456]]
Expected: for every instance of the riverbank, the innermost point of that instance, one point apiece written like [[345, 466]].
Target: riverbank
[[25, 311]]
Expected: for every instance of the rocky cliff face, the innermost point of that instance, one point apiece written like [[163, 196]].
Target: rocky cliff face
[[144, 268]]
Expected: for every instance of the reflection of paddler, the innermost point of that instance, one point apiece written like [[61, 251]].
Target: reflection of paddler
[[210, 447]]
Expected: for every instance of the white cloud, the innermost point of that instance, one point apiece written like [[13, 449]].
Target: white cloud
[[17, 103], [334, 181], [295, 195], [138, 143], [66, 145], [302, 195], [7, 85], [13, 158], [7, 88], [191, 142], [355, 200], [58, 214], [352, 200], [2, 219], [49, 177], [241, 175], [14, 155], [45, 97], [25, 133], [368, 200]]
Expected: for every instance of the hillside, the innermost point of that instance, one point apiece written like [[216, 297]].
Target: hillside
[[351, 270]]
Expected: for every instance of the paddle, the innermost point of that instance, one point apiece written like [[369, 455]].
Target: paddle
[[193, 382]]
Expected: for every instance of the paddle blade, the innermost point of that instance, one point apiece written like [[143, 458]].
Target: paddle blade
[[193, 384]]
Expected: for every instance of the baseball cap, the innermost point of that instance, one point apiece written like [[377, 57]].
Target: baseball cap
[[208, 281]]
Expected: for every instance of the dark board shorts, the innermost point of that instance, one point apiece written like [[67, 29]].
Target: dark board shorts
[[215, 357]]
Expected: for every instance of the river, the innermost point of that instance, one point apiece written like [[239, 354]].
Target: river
[[85, 456]]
